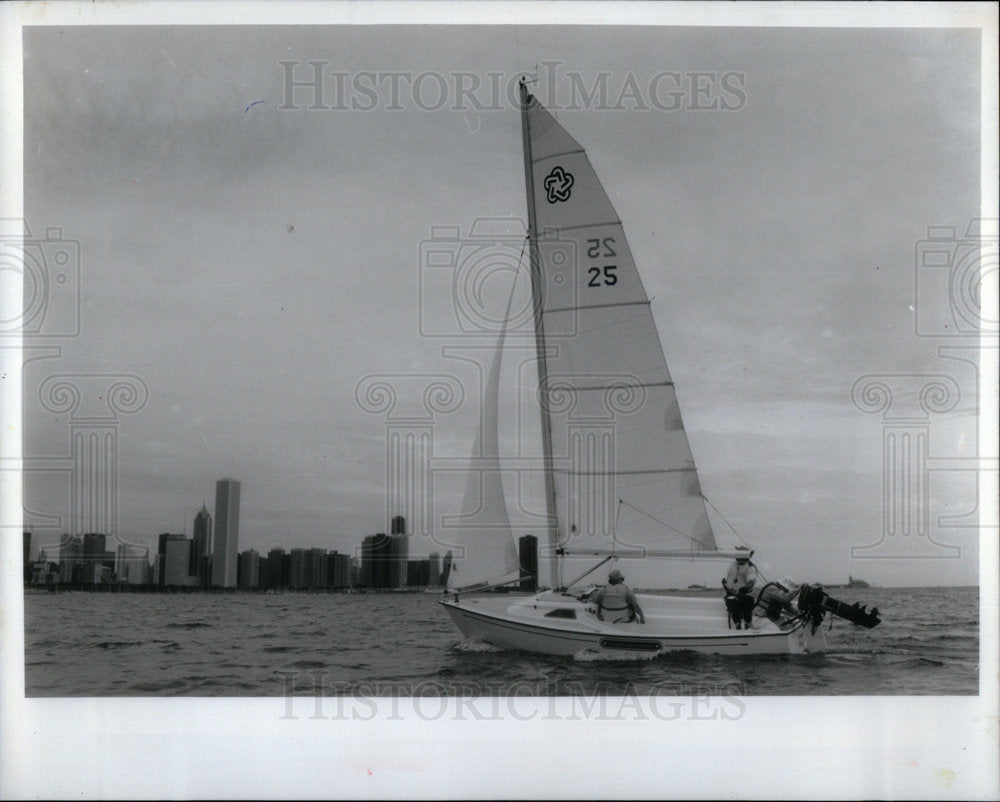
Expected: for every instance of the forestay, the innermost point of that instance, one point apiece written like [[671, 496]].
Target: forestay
[[616, 430]]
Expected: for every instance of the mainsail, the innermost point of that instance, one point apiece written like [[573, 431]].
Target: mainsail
[[623, 475]]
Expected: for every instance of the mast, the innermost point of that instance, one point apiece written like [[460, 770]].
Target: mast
[[537, 300]]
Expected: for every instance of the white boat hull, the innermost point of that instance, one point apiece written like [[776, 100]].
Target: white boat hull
[[560, 624]]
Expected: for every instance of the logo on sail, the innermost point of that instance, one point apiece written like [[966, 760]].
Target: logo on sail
[[558, 184]]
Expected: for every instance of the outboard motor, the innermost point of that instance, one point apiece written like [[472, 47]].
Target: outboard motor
[[816, 602]]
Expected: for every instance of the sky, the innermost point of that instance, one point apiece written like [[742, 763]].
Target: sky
[[250, 262]]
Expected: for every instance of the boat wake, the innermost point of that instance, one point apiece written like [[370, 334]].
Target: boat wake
[[590, 656], [475, 646]]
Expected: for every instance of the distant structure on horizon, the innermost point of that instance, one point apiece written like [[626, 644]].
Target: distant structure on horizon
[[132, 565], [174, 560], [201, 548], [249, 570], [399, 553], [227, 532]]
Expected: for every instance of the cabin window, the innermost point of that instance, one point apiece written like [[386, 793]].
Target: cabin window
[[562, 612]]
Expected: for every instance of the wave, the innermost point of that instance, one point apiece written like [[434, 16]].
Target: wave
[[917, 662], [188, 625], [117, 644], [160, 687]]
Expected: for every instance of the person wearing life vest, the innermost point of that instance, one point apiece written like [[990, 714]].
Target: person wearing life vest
[[738, 583], [618, 601], [779, 597]]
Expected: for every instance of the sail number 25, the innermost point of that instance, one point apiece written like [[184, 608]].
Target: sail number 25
[[604, 275]]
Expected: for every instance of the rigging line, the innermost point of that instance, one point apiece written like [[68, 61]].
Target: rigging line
[[524, 244], [674, 528], [723, 517], [633, 521], [668, 508]]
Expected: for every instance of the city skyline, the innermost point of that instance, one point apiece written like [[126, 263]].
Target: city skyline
[[379, 562]]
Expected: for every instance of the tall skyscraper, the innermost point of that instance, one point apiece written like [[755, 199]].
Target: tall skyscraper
[[399, 552], [201, 549], [227, 533]]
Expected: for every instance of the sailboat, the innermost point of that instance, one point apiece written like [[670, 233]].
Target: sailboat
[[620, 478]]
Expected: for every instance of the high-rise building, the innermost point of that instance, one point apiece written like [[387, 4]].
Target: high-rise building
[[227, 533], [434, 569], [316, 568], [273, 574], [417, 573], [249, 569], [160, 562], [286, 570], [338, 570], [71, 559], [375, 561], [132, 565], [93, 556], [297, 580], [527, 547], [176, 560], [201, 550], [399, 552]]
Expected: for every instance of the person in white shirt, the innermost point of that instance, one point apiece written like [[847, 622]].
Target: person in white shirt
[[739, 582]]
